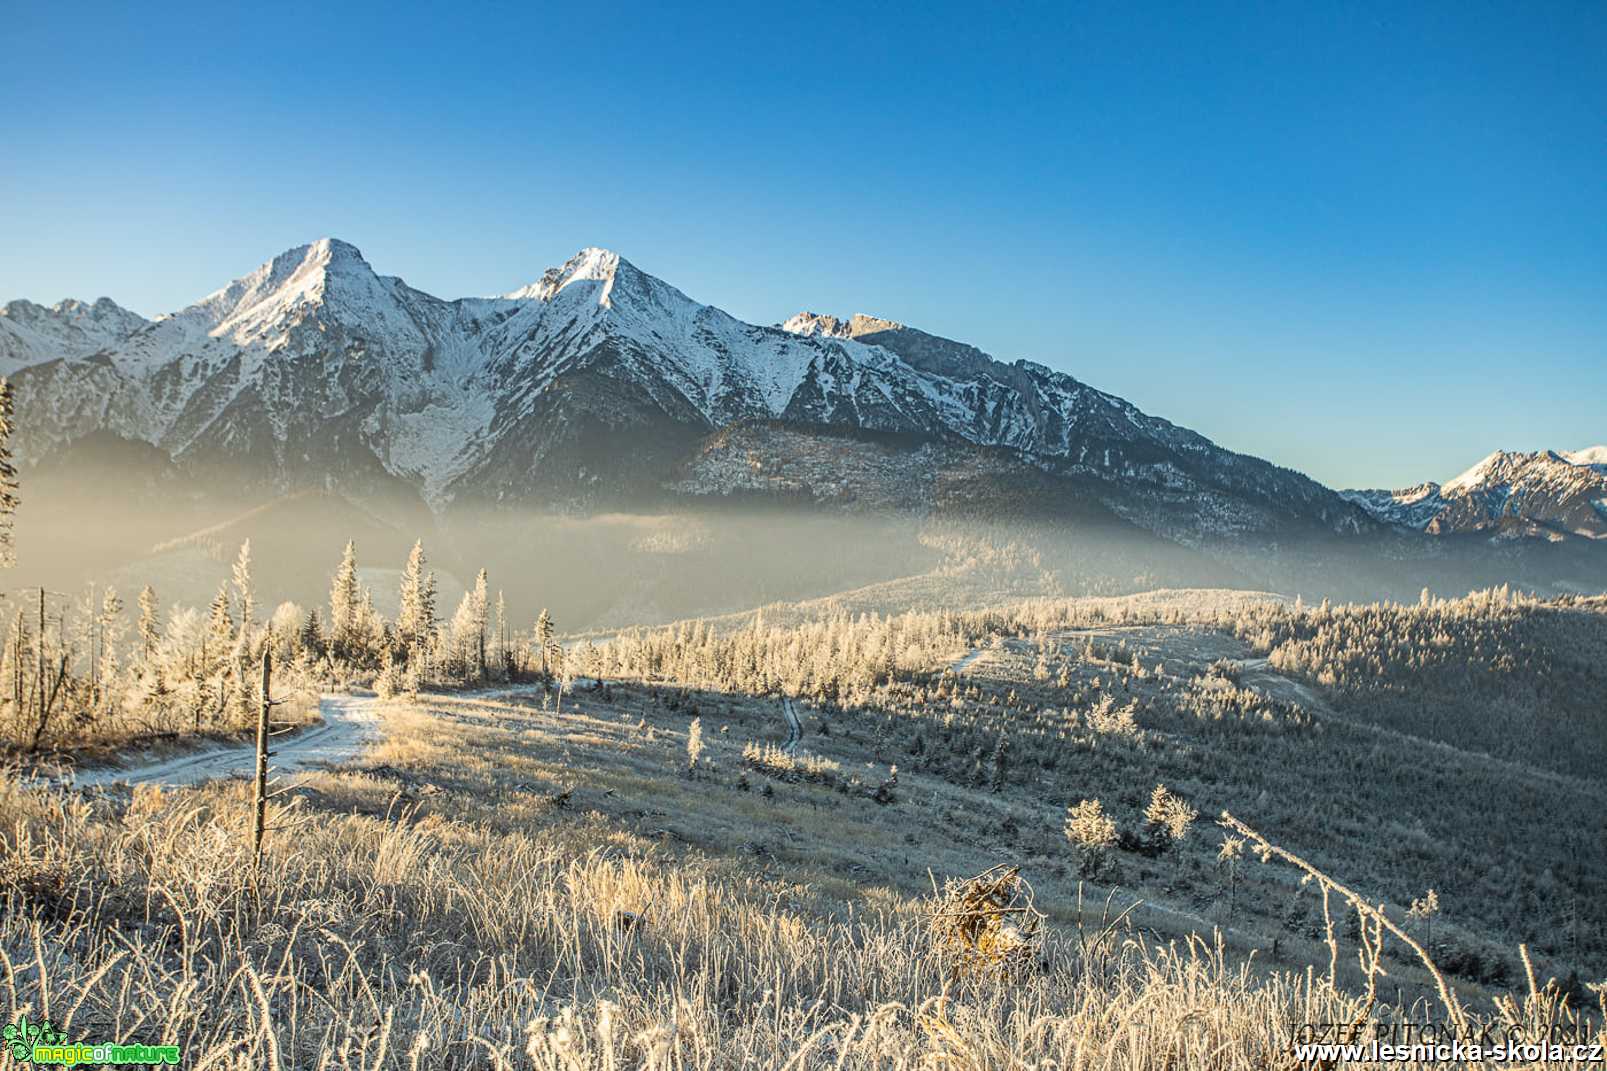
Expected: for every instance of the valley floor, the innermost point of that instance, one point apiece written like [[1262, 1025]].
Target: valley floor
[[498, 883]]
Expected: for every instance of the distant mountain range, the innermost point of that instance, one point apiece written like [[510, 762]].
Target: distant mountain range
[[598, 387], [1546, 495], [594, 383]]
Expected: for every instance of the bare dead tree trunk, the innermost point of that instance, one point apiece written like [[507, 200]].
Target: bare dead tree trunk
[[260, 826], [39, 669]]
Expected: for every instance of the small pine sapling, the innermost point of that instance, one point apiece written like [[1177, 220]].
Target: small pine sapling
[[1092, 832], [694, 745]]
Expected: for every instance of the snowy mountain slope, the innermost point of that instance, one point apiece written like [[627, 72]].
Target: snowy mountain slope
[[32, 333], [1163, 477], [1413, 507], [1547, 495], [1595, 456], [595, 380]]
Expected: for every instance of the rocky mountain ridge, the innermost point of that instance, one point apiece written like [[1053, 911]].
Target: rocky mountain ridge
[[595, 381], [1545, 494]]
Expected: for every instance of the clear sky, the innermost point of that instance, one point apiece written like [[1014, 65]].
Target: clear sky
[[1367, 241]]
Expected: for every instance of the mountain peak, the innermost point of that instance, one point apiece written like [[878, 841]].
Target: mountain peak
[[1477, 474], [1503, 465], [70, 328], [67, 309], [1546, 493], [332, 253], [591, 265], [298, 277]]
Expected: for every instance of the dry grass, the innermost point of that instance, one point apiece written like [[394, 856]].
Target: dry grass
[[444, 911]]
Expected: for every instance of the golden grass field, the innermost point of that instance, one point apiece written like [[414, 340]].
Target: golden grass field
[[498, 884]]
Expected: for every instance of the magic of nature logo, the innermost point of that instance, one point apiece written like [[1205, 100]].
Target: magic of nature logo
[[41, 1043]]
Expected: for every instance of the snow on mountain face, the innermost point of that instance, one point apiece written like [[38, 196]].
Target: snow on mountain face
[[1413, 507], [32, 333], [314, 366], [1592, 455], [1545, 494]]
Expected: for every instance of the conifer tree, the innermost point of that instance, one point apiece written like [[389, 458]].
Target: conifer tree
[[694, 745], [312, 633], [543, 637], [481, 621], [1168, 819], [110, 626], [244, 596], [345, 604], [8, 477], [150, 626], [500, 633], [1092, 832], [1000, 764], [220, 622], [415, 622]]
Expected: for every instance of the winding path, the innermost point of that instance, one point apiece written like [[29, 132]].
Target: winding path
[[965, 663], [794, 726], [350, 724]]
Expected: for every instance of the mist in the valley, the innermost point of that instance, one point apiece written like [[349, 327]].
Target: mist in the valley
[[110, 512], [119, 519]]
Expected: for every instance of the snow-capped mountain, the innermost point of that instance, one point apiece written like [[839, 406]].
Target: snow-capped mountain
[[32, 333], [1548, 495], [594, 380]]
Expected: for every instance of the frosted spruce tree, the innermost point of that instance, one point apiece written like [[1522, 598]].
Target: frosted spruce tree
[[499, 656], [245, 596], [8, 478], [345, 606], [415, 621], [219, 626], [481, 621], [150, 624], [543, 638]]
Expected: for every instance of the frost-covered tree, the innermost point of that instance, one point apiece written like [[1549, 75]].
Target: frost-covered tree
[[388, 682], [1168, 819], [499, 656], [8, 477], [415, 621], [481, 609], [219, 627], [150, 624], [466, 639], [694, 745], [543, 639], [1424, 908], [1092, 832], [111, 627], [1227, 857], [345, 605], [244, 595], [284, 632]]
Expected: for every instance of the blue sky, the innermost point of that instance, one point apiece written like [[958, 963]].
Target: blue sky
[[1367, 241]]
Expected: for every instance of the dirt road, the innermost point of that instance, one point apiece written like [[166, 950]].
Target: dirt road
[[963, 664], [350, 724], [794, 726]]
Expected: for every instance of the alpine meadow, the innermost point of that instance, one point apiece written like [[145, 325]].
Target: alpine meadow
[[586, 677]]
